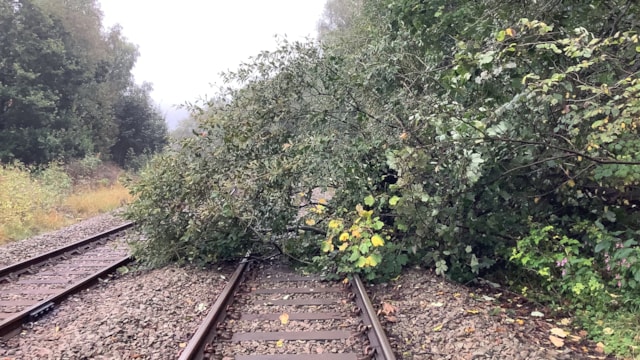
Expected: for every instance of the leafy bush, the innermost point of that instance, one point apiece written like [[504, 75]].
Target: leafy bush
[[24, 192]]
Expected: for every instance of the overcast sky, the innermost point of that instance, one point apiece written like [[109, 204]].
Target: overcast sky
[[185, 44]]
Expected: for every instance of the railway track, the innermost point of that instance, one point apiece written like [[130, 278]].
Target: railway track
[[31, 288], [270, 313]]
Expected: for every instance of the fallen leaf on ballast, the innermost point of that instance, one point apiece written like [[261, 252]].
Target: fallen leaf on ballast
[[472, 311], [436, 304], [438, 328], [280, 343], [574, 338], [520, 322], [284, 318], [182, 345], [388, 309], [556, 341], [559, 332], [537, 314]]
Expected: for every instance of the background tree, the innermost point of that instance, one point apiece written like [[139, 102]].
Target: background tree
[[61, 75], [142, 128]]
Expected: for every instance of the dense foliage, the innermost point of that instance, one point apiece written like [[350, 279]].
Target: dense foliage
[[473, 137], [66, 87]]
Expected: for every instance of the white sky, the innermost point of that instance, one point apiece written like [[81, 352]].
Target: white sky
[[185, 44]]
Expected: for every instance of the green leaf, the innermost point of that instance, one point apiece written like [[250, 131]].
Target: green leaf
[[394, 200], [369, 200], [378, 225]]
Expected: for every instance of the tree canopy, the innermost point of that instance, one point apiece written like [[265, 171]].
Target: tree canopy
[[62, 76]]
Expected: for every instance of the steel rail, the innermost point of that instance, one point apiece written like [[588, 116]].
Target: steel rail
[[10, 324], [205, 334], [376, 334], [24, 265], [202, 340]]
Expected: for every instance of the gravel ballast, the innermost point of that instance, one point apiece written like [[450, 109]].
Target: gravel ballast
[[28, 248], [144, 314], [148, 314], [426, 317], [152, 314]]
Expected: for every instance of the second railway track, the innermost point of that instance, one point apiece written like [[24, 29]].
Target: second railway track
[[271, 313], [30, 288]]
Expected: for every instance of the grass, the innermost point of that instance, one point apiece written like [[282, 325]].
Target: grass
[[34, 201], [96, 201]]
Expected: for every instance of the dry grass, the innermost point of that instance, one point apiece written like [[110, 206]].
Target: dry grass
[[29, 206], [99, 200]]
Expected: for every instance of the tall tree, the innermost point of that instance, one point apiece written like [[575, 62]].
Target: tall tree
[[62, 77], [142, 128]]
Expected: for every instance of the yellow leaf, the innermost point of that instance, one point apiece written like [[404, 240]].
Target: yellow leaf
[[607, 331], [345, 281], [473, 311], [284, 319], [559, 332], [556, 341], [565, 321], [469, 330], [377, 240], [344, 237], [182, 345], [327, 246], [404, 135], [343, 247], [456, 295], [438, 328], [310, 222], [322, 201], [536, 199], [510, 32], [520, 322], [280, 343], [370, 261], [356, 233], [571, 183]]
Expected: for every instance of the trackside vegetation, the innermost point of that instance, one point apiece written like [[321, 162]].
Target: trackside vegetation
[[476, 138], [35, 199]]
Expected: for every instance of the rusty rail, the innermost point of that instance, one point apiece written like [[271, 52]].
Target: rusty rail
[[203, 343], [377, 338], [31, 309], [24, 265], [206, 332]]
